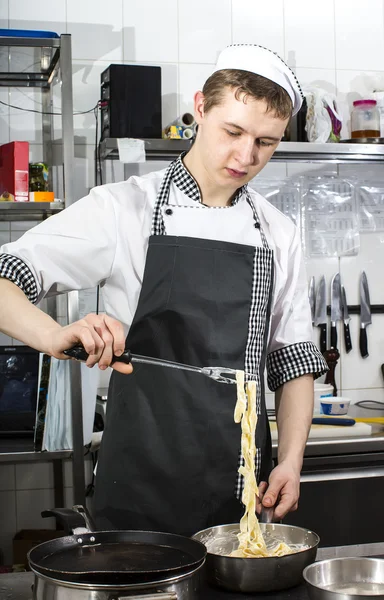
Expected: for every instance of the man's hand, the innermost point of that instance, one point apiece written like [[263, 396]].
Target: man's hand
[[101, 335], [282, 490]]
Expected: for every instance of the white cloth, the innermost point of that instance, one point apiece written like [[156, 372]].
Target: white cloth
[[103, 239], [261, 61]]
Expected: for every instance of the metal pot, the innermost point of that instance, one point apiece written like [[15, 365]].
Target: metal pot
[[257, 574], [101, 565], [183, 587], [345, 579]]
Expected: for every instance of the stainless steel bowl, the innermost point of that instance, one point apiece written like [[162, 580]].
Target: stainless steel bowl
[[257, 574], [345, 579]]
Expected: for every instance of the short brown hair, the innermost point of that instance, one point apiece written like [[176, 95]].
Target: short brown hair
[[247, 84]]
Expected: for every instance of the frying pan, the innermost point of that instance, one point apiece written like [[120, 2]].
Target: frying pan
[[113, 557]]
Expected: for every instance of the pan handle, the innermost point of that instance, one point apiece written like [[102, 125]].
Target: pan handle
[[71, 520], [156, 596], [82, 510]]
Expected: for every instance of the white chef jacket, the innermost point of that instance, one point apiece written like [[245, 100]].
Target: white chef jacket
[[102, 239]]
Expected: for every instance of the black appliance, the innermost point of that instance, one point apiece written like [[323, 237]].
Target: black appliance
[[19, 375], [131, 102]]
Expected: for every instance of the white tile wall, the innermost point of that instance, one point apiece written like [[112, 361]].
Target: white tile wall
[[191, 79], [42, 14], [25, 125], [309, 34], [322, 78], [7, 477], [203, 29], [150, 30], [334, 44], [259, 23], [104, 38], [4, 115], [4, 12], [359, 35], [29, 504]]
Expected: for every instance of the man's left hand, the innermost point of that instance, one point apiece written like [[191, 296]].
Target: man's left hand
[[283, 490]]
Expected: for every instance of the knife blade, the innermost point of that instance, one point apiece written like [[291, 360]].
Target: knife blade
[[312, 298], [321, 313], [365, 315], [346, 321], [335, 307]]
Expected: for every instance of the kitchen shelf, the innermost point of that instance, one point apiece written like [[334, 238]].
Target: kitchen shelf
[[28, 211], [306, 152], [42, 63], [48, 50], [21, 450]]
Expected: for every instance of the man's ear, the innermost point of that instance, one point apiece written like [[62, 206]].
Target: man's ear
[[199, 107]]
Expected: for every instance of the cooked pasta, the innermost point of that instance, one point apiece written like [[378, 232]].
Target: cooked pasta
[[251, 540]]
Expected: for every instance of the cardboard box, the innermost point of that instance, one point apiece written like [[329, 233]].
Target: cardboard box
[[41, 196], [14, 171], [26, 539]]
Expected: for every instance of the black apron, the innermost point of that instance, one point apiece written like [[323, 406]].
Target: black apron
[[170, 449]]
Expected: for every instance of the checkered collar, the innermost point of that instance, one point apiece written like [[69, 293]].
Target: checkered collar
[[187, 184]]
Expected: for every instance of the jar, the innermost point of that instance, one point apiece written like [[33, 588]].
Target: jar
[[365, 119], [37, 180]]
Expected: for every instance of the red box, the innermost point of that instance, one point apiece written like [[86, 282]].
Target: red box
[[14, 166]]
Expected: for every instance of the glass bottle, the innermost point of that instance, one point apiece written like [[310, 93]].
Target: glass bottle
[[365, 119]]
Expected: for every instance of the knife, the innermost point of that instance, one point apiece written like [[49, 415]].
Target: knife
[[346, 320], [365, 315], [321, 313], [312, 298], [335, 307]]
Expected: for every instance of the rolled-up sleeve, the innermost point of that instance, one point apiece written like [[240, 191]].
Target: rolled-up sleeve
[[72, 250], [291, 352]]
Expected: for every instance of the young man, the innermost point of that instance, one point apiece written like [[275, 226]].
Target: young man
[[199, 269]]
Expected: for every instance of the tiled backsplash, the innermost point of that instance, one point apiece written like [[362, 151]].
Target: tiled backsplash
[[332, 44]]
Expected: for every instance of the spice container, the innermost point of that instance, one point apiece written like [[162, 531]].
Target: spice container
[[365, 119]]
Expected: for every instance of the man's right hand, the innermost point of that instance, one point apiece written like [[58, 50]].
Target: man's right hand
[[101, 335]]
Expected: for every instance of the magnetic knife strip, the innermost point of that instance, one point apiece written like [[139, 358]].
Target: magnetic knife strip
[[354, 309]]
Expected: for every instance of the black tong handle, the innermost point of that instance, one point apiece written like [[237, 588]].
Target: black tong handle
[[79, 353]]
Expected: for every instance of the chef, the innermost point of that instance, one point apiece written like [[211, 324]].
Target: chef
[[198, 268]]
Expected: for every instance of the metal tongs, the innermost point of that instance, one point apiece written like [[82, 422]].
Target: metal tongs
[[220, 374]]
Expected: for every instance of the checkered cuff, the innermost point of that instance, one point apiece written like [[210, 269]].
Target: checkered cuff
[[293, 361], [14, 269]]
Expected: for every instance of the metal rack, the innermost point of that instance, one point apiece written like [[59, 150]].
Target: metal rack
[[286, 151], [48, 59]]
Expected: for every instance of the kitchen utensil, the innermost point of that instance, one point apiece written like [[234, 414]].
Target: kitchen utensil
[[346, 321], [217, 373], [331, 357], [312, 298], [257, 574], [113, 557], [345, 578], [334, 406], [365, 315], [347, 421], [321, 313], [335, 307]]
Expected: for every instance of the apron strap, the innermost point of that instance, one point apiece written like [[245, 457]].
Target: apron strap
[[256, 218]]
